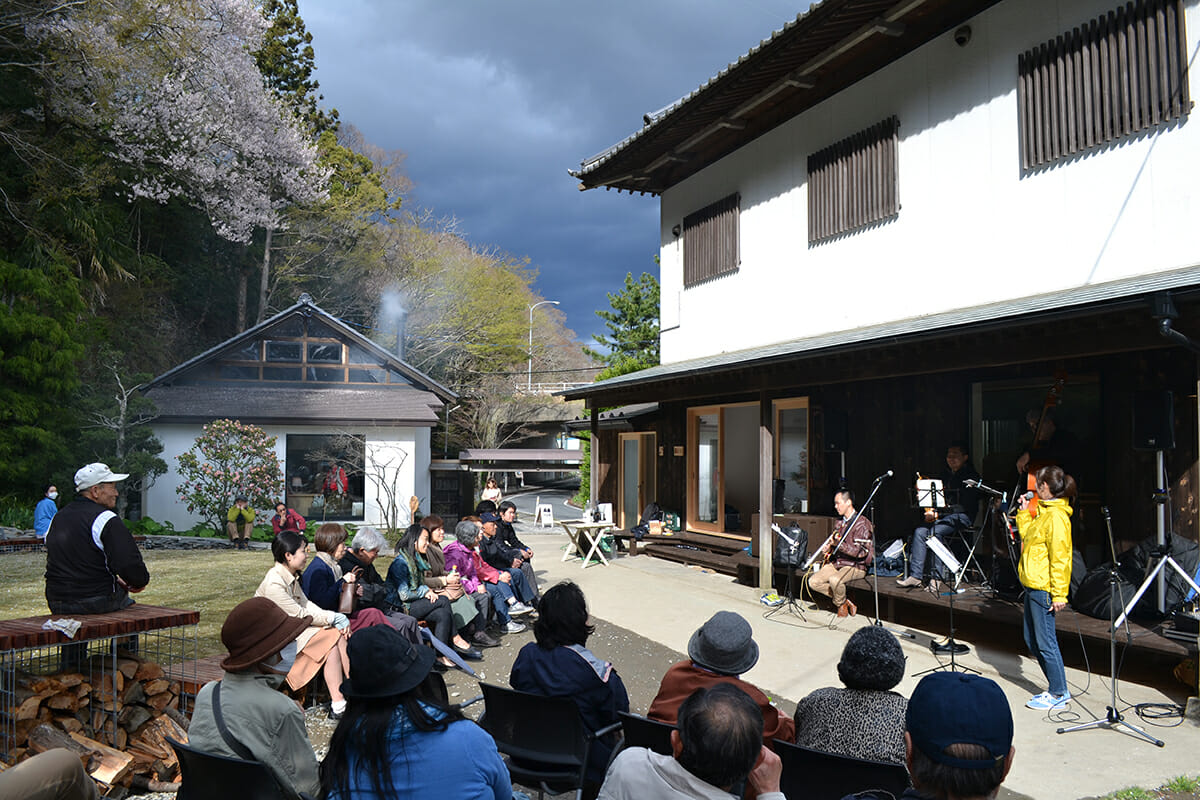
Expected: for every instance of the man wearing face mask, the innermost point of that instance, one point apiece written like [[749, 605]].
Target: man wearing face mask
[[256, 721], [92, 562], [45, 510]]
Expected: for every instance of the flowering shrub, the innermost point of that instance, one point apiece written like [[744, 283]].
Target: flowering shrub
[[229, 459]]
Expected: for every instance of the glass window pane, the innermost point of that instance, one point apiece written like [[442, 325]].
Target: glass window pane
[[396, 377], [282, 373], [708, 454], [238, 372], [247, 352], [367, 376], [325, 476], [292, 326], [357, 355], [793, 458], [630, 471], [327, 374], [325, 352], [284, 351]]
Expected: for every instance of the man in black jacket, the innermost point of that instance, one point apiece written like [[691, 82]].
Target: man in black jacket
[[92, 562], [507, 559], [361, 555]]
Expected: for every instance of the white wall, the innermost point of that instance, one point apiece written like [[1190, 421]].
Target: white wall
[[385, 445], [972, 230]]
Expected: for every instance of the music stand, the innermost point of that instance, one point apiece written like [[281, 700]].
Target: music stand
[[954, 648], [791, 606]]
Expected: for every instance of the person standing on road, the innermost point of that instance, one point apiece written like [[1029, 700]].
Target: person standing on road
[[45, 510]]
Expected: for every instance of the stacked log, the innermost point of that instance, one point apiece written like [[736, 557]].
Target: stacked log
[[117, 719]]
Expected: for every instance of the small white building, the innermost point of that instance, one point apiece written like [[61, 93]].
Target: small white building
[[330, 397]]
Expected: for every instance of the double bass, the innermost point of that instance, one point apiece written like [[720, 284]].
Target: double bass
[[1028, 482]]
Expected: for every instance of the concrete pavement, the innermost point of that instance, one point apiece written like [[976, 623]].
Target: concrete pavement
[[666, 602]]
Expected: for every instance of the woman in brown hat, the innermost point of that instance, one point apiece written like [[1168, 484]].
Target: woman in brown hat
[[259, 720]]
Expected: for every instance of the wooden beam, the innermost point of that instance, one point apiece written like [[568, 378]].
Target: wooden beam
[[766, 486]]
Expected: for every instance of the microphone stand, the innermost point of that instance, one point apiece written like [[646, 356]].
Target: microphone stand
[[874, 573], [791, 605]]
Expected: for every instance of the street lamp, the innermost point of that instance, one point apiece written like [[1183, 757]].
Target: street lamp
[[529, 379]]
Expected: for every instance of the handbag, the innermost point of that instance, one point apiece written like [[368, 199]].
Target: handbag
[[451, 591], [348, 599]]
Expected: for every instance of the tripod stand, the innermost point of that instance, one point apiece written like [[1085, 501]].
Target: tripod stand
[[1114, 719], [790, 606], [951, 646]]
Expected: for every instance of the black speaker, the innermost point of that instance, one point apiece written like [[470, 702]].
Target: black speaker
[[1153, 420], [836, 432]]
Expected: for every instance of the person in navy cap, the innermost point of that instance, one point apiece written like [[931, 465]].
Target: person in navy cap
[[958, 738]]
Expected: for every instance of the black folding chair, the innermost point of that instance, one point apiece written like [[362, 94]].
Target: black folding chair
[[207, 776], [813, 775], [644, 732], [544, 738]]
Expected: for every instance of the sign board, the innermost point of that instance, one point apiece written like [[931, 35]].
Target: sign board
[[545, 515]]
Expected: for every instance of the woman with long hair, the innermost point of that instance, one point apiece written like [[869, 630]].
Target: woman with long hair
[[492, 492], [470, 611], [407, 588], [322, 644], [399, 739], [1044, 522]]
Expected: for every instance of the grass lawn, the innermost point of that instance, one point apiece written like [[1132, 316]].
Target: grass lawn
[[209, 581]]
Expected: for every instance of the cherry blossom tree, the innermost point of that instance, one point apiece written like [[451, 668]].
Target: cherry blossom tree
[[229, 459]]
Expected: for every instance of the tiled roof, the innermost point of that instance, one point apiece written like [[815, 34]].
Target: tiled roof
[[260, 405]]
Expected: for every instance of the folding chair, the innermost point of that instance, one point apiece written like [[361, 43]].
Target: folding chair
[[813, 775], [208, 776], [644, 732], [544, 738]]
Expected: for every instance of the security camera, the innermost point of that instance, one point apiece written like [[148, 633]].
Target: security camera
[[962, 36]]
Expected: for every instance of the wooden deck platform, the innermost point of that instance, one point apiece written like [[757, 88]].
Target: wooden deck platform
[[975, 607]]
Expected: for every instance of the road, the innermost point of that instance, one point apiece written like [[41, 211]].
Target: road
[[526, 501]]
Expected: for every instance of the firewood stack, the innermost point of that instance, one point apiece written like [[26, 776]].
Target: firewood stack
[[75, 711]]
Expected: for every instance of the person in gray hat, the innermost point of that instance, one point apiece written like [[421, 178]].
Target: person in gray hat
[[721, 650], [92, 562], [260, 722], [865, 719]]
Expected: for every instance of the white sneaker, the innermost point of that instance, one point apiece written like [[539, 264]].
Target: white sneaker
[[519, 609], [1046, 701], [514, 627]]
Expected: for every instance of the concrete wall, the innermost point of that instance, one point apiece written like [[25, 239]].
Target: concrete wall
[[399, 454], [972, 229]]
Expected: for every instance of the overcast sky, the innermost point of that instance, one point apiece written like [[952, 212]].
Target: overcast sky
[[494, 101]]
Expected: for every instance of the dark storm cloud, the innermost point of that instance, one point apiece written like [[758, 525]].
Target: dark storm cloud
[[494, 101]]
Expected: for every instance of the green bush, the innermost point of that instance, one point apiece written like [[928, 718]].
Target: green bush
[[16, 513], [147, 526]]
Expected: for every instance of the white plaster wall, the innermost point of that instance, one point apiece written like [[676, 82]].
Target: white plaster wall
[[383, 445], [972, 230]]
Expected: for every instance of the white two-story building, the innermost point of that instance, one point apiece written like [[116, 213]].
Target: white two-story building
[[894, 224]]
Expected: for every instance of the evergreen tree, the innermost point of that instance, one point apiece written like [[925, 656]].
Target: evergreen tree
[[633, 323]]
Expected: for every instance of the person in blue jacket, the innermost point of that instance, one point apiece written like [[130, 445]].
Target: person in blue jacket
[[559, 664], [45, 510], [398, 739]]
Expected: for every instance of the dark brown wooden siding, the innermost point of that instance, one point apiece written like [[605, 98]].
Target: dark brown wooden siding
[[853, 183], [710, 241], [1118, 75]]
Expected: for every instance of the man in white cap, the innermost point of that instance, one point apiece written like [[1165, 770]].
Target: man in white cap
[[92, 562]]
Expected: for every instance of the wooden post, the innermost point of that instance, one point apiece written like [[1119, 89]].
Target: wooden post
[[595, 459], [766, 493]]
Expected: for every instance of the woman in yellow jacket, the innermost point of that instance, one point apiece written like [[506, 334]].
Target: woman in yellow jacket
[[1045, 572]]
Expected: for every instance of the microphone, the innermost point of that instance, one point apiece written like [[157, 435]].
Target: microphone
[[971, 483], [887, 474]]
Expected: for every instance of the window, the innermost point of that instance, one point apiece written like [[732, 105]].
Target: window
[[710, 241], [324, 352], [325, 475], [791, 454], [283, 351], [722, 466], [854, 184], [1115, 76]]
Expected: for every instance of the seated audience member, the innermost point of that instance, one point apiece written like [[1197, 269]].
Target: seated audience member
[[961, 504], [450, 584], [478, 575], [258, 716], [359, 558], [407, 587], [720, 651], [322, 582], [866, 719], [398, 740], [507, 533], [239, 522], [484, 506], [958, 738], [56, 774], [508, 559], [321, 645], [717, 746], [559, 664], [287, 519]]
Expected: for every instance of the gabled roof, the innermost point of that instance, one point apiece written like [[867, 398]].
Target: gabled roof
[[306, 307], [833, 45], [278, 405]]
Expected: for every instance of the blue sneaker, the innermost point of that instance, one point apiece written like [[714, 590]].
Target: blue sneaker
[[1046, 701]]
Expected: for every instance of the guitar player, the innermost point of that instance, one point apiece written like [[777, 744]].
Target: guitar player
[[846, 555]]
